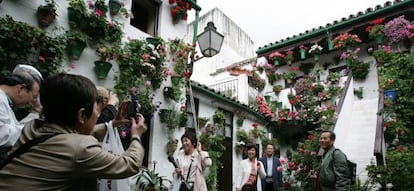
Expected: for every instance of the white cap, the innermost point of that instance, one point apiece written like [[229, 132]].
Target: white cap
[[30, 69]]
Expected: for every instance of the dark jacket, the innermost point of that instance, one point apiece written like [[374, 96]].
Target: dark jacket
[[276, 175], [333, 175]]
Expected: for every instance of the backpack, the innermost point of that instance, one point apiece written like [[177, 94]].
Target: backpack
[[351, 168]]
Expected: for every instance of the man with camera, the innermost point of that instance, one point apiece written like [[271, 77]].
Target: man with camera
[[65, 155]]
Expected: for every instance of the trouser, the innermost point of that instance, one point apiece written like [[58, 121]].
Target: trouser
[[269, 186]]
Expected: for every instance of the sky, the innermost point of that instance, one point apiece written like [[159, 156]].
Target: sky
[[268, 21]]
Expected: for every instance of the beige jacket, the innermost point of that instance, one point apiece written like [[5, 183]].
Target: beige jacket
[[68, 161]]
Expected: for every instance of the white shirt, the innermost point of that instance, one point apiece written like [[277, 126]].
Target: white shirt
[[10, 128], [269, 166]]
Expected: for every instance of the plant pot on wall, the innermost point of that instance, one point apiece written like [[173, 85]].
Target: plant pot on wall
[[114, 6], [391, 94], [102, 69], [45, 16], [165, 115], [75, 48]]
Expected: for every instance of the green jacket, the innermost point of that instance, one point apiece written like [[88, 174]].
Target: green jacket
[[333, 175]]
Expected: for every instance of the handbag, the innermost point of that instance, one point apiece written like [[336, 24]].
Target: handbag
[[112, 143], [185, 184]]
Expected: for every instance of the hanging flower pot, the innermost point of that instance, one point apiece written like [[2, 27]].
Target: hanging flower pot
[[267, 98], [316, 57], [102, 69], [114, 6], [45, 15], [165, 115], [276, 62], [391, 94], [175, 80], [302, 54], [75, 48], [379, 38]]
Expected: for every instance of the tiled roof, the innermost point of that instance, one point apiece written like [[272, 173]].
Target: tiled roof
[[241, 63], [231, 101], [368, 15]]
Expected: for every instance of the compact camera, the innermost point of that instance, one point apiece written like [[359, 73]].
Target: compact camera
[[133, 106]]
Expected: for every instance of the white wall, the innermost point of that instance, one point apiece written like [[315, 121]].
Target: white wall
[[237, 46], [26, 10]]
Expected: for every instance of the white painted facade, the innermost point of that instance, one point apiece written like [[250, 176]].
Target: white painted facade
[[237, 46]]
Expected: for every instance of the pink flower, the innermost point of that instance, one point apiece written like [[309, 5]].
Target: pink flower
[[41, 59], [98, 12], [111, 24], [146, 57], [167, 71], [91, 4], [280, 169], [282, 160], [147, 83]]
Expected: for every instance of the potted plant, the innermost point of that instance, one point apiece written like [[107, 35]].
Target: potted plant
[[375, 31], [397, 29], [255, 81], [166, 115], [277, 89], [77, 12], [173, 93], [276, 57], [289, 57], [359, 69], [76, 43], [346, 41], [333, 77], [383, 54], [315, 50], [241, 116], [219, 117], [202, 121], [302, 51], [256, 131], [103, 66], [149, 180], [179, 10], [289, 76], [46, 14], [359, 92]]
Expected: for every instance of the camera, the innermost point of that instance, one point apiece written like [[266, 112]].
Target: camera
[[133, 106]]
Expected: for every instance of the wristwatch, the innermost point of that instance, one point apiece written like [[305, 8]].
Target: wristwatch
[[136, 139]]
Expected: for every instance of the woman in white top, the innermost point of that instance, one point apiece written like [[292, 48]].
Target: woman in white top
[[192, 162], [249, 169]]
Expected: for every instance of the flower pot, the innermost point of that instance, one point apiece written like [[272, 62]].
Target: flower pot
[[379, 38], [102, 69], [267, 98], [175, 80], [277, 90], [289, 81], [75, 48], [316, 57], [45, 16], [165, 115], [114, 6], [172, 93], [239, 122], [391, 94], [276, 62], [302, 54]]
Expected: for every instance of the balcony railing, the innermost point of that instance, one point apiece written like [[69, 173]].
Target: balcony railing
[[228, 88]]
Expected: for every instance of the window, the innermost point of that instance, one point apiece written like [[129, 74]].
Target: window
[[190, 117], [228, 124], [146, 15]]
